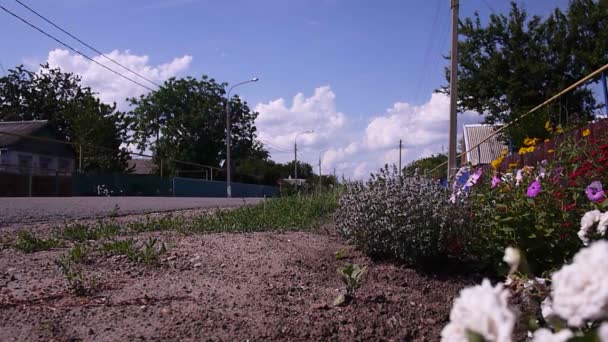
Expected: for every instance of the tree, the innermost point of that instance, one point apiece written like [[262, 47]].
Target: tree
[[423, 165], [514, 63], [186, 120], [72, 110]]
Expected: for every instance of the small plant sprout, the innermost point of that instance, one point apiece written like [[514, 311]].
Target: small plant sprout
[[341, 254], [351, 276], [75, 280]]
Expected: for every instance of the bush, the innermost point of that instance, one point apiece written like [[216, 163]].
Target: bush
[[405, 218]]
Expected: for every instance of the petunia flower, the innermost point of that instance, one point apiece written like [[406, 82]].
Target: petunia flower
[[534, 189], [495, 181], [595, 192]]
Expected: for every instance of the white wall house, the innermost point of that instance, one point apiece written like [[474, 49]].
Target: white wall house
[[20, 155]]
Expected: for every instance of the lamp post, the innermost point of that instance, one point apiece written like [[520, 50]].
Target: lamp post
[[295, 153], [228, 185]]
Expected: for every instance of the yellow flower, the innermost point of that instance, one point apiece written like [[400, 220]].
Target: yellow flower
[[559, 130], [547, 140], [513, 166], [525, 150], [504, 152], [548, 126], [531, 141], [551, 151], [496, 162], [586, 132]]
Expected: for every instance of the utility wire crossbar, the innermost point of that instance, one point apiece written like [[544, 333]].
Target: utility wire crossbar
[[555, 97]]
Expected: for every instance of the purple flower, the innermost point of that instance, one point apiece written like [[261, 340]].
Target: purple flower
[[595, 192], [474, 177], [495, 181], [533, 189]]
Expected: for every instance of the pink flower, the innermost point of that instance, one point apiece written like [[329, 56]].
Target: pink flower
[[534, 189], [495, 181], [595, 192]]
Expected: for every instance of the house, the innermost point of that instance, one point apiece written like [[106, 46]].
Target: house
[[141, 166], [488, 150], [22, 155]]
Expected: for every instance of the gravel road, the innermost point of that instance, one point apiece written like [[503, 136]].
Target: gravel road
[[40, 209]]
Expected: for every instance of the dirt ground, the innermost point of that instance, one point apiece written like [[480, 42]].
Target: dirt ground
[[223, 287]]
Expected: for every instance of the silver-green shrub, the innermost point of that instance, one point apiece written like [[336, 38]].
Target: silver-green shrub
[[405, 218]]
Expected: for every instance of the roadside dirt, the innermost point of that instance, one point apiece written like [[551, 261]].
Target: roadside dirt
[[223, 287]]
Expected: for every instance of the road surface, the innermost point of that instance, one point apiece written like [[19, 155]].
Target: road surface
[[44, 209]]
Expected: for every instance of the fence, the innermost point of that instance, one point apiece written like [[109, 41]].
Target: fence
[[39, 182], [189, 187], [545, 151]]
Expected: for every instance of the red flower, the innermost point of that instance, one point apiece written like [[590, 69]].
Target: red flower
[[570, 206]]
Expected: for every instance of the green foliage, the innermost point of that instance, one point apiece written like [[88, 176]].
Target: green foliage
[[83, 232], [350, 274], [28, 243], [79, 254], [162, 223], [424, 165], [148, 253], [514, 63], [74, 112], [409, 219], [275, 214], [74, 277], [189, 117]]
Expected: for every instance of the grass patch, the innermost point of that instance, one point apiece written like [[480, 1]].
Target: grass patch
[[166, 222], [276, 214], [28, 243], [83, 232], [148, 253], [79, 254], [75, 279]]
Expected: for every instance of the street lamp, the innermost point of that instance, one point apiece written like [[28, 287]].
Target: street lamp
[[228, 186], [295, 152]]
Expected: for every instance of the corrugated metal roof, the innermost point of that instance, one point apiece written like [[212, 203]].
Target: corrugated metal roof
[[18, 127], [488, 150]]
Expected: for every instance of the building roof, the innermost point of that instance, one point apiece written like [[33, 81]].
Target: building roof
[[142, 166], [19, 127], [488, 150]]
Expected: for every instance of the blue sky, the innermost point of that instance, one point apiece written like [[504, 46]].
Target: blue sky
[[371, 56]]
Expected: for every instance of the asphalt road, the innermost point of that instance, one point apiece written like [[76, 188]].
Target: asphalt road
[[40, 209]]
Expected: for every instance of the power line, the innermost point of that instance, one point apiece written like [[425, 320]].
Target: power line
[[484, 1], [429, 48], [85, 44], [73, 49]]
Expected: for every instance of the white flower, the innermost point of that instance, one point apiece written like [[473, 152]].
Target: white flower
[[519, 177], [481, 309], [602, 332], [580, 290], [512, 258], [545, 335], [546, 308], [588, 221], [602, 223]]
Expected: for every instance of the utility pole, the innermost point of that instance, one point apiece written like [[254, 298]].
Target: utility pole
[[400, 147], [605, 91], [295, 160], [320, 175], [453, 91]]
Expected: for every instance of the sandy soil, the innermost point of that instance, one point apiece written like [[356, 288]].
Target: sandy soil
[[216, 287]]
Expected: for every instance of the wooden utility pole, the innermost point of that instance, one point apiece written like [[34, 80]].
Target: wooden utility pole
[[453, 91], [400, 147], [320, 175]]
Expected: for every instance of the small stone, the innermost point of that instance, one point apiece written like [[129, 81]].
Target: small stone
[[198, 264], [173, 257], [430, 321], [412, 304]]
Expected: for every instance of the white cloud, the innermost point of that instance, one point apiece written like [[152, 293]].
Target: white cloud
[[279, 122], [111, 87], [356, 151]]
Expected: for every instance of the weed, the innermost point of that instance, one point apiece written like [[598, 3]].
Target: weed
[[341, 254], [79, 254], [75, 280], [149, 253], [166, 222], [351, 276], [83, 232], [28, 243]]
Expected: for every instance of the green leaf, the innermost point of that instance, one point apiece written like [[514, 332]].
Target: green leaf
[[474, 337]]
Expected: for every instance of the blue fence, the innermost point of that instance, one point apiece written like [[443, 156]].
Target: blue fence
[[190, 187], [152, 185]]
